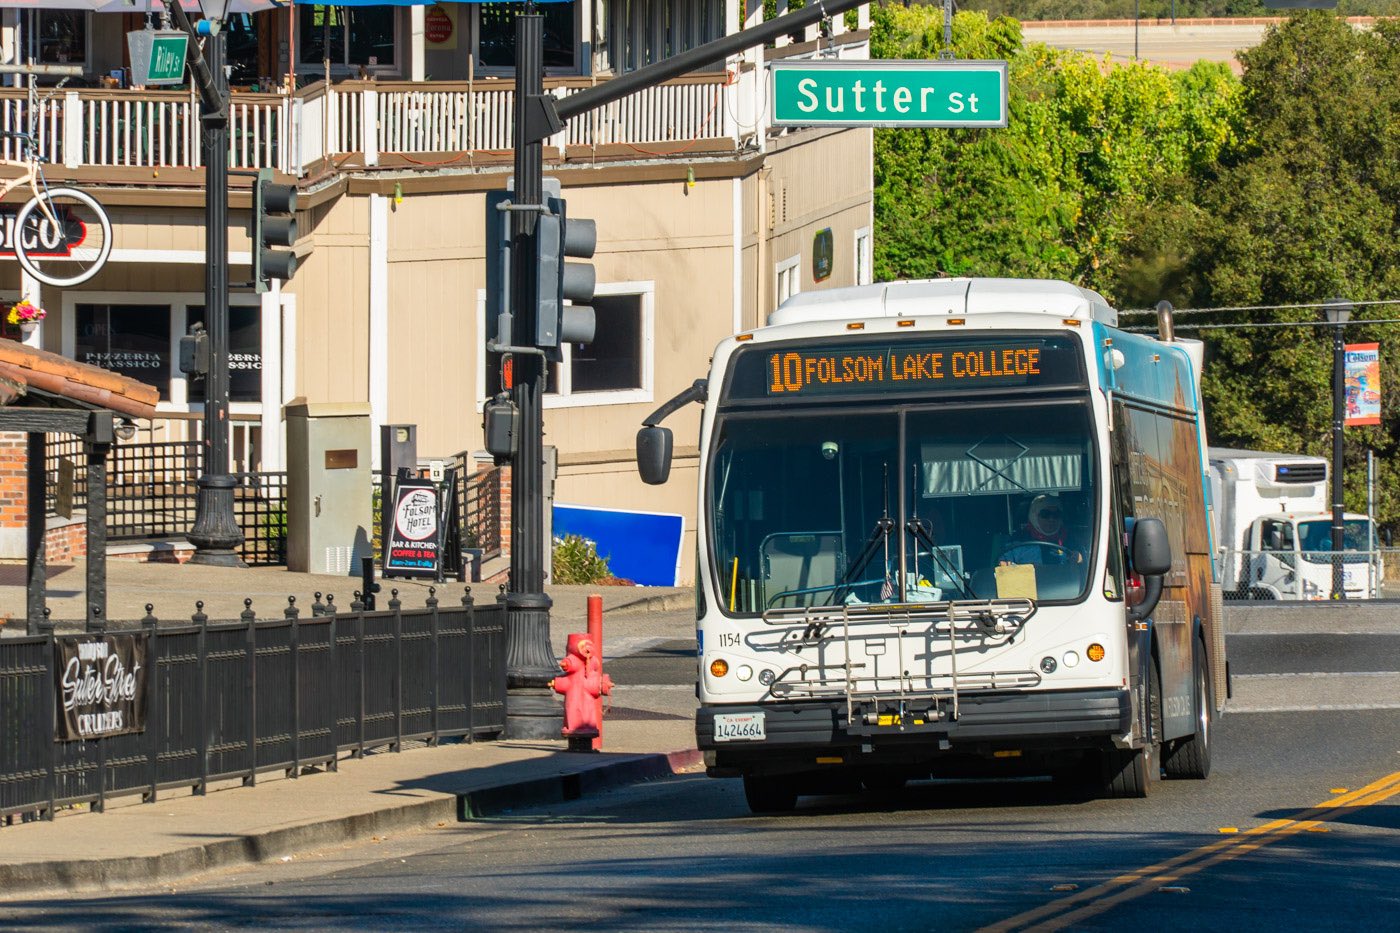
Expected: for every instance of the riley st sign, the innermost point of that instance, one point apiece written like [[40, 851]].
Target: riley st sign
[[890, 93]]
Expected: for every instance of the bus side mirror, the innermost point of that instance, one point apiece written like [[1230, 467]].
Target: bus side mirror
[[1152, 551], [654, 454]]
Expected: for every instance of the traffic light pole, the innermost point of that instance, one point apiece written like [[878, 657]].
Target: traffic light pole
[[215, 534], [531, 711]]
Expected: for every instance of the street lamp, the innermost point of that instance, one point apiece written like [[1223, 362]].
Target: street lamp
[[1338, 313], [215, 534]]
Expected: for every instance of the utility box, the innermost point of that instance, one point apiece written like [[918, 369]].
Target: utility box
[[329, 502]]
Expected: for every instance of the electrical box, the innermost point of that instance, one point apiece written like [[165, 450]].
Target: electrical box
[[329, 501]]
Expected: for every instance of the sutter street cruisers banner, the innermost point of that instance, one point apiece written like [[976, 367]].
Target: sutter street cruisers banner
[[101, 685]]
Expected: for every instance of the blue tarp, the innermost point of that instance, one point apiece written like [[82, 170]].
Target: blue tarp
[[644, 547]]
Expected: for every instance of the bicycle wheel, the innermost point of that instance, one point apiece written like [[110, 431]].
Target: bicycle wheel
[[69, 252]]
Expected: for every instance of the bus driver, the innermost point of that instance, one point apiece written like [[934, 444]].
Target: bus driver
[[1043, 539]]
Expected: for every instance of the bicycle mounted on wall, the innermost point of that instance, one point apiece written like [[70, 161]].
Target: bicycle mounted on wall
[[61, 236]]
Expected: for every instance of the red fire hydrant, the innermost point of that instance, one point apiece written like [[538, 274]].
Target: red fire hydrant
[[584, 684]]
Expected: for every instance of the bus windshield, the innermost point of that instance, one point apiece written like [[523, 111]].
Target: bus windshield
[[824, 507], [1315, 538]]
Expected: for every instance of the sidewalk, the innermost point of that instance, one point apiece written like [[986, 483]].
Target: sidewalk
[[649, 734], [173, 590], [134, 843]]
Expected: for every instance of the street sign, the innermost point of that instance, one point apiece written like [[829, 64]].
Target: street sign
[[889, 93], [157, 56]]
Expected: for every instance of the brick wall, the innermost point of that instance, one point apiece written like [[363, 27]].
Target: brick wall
[[64, 541]]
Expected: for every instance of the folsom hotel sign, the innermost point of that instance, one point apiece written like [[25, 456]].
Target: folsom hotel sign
[[890, 93]]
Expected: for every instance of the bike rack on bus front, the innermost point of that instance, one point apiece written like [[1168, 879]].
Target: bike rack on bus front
[[869, 707]]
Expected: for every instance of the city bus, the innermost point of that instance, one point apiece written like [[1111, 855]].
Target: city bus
[[951, 528]]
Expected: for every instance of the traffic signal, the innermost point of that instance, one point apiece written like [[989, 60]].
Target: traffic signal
[[498, 269], [560, 239], [274, 225]]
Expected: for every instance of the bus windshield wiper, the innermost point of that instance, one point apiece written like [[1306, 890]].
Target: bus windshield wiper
[[884, 526], [920, 530]]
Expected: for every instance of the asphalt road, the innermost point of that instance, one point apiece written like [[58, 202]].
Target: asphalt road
[[1296, 828]]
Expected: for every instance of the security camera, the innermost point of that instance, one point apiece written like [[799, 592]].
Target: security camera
[[830, 449]]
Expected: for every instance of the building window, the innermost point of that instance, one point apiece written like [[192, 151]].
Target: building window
[[616, 368], [823, 255], [244, 353], [864, 260], [133, 340], [495, 35], [356, 37], [789, 278], [634, 33], [62, 37]]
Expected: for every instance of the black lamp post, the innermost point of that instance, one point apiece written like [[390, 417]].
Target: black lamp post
[[215, 534], [1338, 313]]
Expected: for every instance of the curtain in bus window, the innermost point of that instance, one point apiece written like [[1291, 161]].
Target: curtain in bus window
[[1001, 465]]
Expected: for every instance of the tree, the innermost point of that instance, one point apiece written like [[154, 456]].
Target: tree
[[1306, 206]]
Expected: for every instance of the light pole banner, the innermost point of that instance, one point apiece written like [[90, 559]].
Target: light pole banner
[[1363, 383]]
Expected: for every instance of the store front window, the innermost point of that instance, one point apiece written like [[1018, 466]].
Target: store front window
[[62, 37], [350, 37], [244, 354], [133, 340], [496, 35]]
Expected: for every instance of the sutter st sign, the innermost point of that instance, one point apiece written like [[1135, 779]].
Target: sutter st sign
[[889, 93]]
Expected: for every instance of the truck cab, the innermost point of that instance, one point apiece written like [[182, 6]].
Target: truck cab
[[1272, 522], [1289, 556]]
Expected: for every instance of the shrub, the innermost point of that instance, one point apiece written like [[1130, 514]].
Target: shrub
[[576, 561]]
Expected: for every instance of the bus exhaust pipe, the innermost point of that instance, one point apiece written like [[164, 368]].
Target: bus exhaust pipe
[[1166, 326]]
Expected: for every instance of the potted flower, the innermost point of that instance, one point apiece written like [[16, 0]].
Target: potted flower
[[27, 316]]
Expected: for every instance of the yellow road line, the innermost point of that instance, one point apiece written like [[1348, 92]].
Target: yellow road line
[[1144, 880]]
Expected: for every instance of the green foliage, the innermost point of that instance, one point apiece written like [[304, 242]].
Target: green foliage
[[576, 561], [1276, 188], [1306, 208], [1053, 192], [1149, 10]]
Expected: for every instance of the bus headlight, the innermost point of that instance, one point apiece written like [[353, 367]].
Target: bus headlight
[[766, 677], [1048, 665], [1071, 658], [743, 672]]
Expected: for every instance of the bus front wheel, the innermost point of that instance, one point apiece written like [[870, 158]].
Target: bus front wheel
[[1125, 772]]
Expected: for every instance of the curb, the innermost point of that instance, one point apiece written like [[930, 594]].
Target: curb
[[77, 875], [668, 603]]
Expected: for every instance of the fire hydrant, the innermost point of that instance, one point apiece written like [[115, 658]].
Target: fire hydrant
[[583, 684]]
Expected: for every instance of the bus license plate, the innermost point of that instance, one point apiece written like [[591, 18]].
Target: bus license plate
[[739, 727]]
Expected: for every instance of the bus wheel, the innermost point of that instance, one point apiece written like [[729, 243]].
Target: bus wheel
[[769, 794], [1189, 757], [1124, 772]]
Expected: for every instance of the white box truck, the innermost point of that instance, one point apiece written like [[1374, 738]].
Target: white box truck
[[1273, 529]]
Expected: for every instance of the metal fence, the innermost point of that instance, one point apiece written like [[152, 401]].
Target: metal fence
[[1289, 574], [479, 505], [152, 493], [230, 700]]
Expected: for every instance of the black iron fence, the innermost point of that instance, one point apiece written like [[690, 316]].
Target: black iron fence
[[232, 700], [151, 493]]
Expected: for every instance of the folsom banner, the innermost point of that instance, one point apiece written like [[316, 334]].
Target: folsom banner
[[101, 685], [1363, 383]]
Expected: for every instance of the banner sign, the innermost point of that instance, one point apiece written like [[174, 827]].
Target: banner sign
[[101, 685], [414, 548], [1363, 383]]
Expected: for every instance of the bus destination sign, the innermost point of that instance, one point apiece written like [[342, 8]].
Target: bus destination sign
[[829, 370]]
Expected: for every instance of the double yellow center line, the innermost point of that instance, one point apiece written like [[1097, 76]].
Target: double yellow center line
[[1067, 911]]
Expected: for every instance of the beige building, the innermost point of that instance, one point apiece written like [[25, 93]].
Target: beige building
[[707, 218]]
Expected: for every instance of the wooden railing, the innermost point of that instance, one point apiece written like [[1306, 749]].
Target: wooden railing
[[155, 129]]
